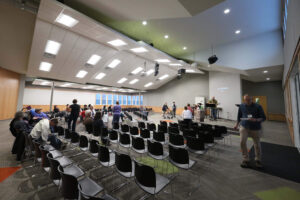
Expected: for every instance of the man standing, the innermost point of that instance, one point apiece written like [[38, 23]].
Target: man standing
[[174, 109], [116, 114], [165, 108], [187, 116], [250, 116], [214, 108], [75, 110]]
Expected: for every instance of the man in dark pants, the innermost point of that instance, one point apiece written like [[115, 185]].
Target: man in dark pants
[[174, 109], [75, 110], [116, 114]]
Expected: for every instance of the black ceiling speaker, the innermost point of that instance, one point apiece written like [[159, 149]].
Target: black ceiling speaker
[[180, 73], [156, 68], [212, 59]]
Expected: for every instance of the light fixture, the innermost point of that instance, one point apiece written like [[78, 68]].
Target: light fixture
[[105, 88], [45, 83], [268, 79], [162, 60], [66, 20], [148, 84], [175, 64], [81, 74], [265, 71], [52, 47], [189, 70], [237, 31], [139, 50], [149, 72], [122, 80], [94, 59], [133, 81], [163, 77], [100, 76], [226, 11], [137, 70], [66, 85], [184, 48], [114, 63], [117, 43], [45, 66], [114, 90], [144, 23], [166, 36]]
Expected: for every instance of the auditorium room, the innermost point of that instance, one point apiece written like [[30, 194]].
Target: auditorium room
[[150, 99]]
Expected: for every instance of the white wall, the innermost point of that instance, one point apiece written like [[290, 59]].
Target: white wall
[[226, 88], [263, 50], [292, 33], [41, 96]]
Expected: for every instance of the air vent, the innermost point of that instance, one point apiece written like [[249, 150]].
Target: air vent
[[89, 66], [49, 55]]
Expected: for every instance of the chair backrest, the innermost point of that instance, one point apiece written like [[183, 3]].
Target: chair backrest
[[173, 129], [68, 134], [145, 175], [75, 137], [124, 128], [173, 124], [116, 126], [54, 174], [159, 136], [176, 139], [145, 133], [151, 126], [155, 148], [134, 130], [195, 143], [96, 129], [138, 143], [60, 130], [103, 153], [164, 123], [104, 132], [45, 160], [83, 141], [69, 186], [113, 135], [162, 128], [189, 133], [94, 146], [124, 138], [123, 162], [178, 155], [141, 125]]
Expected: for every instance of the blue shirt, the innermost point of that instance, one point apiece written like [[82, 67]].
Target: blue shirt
[[38, 115], [117, 110], [254, 110]]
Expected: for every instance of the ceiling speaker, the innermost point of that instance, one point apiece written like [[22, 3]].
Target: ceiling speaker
[[212, 59]]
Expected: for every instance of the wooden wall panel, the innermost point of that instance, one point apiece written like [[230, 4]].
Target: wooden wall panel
[[9, 89], [276, 117]]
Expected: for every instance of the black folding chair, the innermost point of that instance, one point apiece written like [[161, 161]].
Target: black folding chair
[[138, 144], [180, 157], [176, 140]]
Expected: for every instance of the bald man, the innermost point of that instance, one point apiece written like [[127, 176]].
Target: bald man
[[250, 117]]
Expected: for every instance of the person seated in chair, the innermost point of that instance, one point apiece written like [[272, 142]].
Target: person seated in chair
[[37, 114], [43, 131], [88, 122], [98, 123]]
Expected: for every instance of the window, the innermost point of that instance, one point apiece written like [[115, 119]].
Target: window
[[104, 99], [141, 99], [137, 100], [109, 99], [124, 100], [133, 100], [120, 99], [128, 100], [115, 99], [285, 15], [98, 99]]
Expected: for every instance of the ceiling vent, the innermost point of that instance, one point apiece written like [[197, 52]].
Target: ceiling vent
[[49, 55]]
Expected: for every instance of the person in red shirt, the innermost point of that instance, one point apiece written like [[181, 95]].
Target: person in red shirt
[[190, 109]]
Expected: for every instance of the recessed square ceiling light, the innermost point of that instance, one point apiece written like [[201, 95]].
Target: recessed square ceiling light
[[94, 59], [139, 50], [162, 60], [226, 11], [66, 85], [45, 83], [117, 43], [66, 20], [166, 36], [100, 76], [175, 64], [184, 48], [190, 71], [144, 23], [265, 71], [148, 84], [237, 31], [45, 66], [122, 80], [268, 79], [149, 72], [163, 77], [81, 74], [133, 81], [52, 47], [105, 88], [137, 70], [114, 63]]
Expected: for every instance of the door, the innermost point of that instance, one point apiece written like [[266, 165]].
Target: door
[[262, 100]]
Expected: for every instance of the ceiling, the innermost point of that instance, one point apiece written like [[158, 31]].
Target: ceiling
[[258, 75], [89, 37], [191, 23]]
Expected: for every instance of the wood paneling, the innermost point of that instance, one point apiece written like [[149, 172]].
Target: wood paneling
[[9, 89], [276, 117], [263, 103]]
